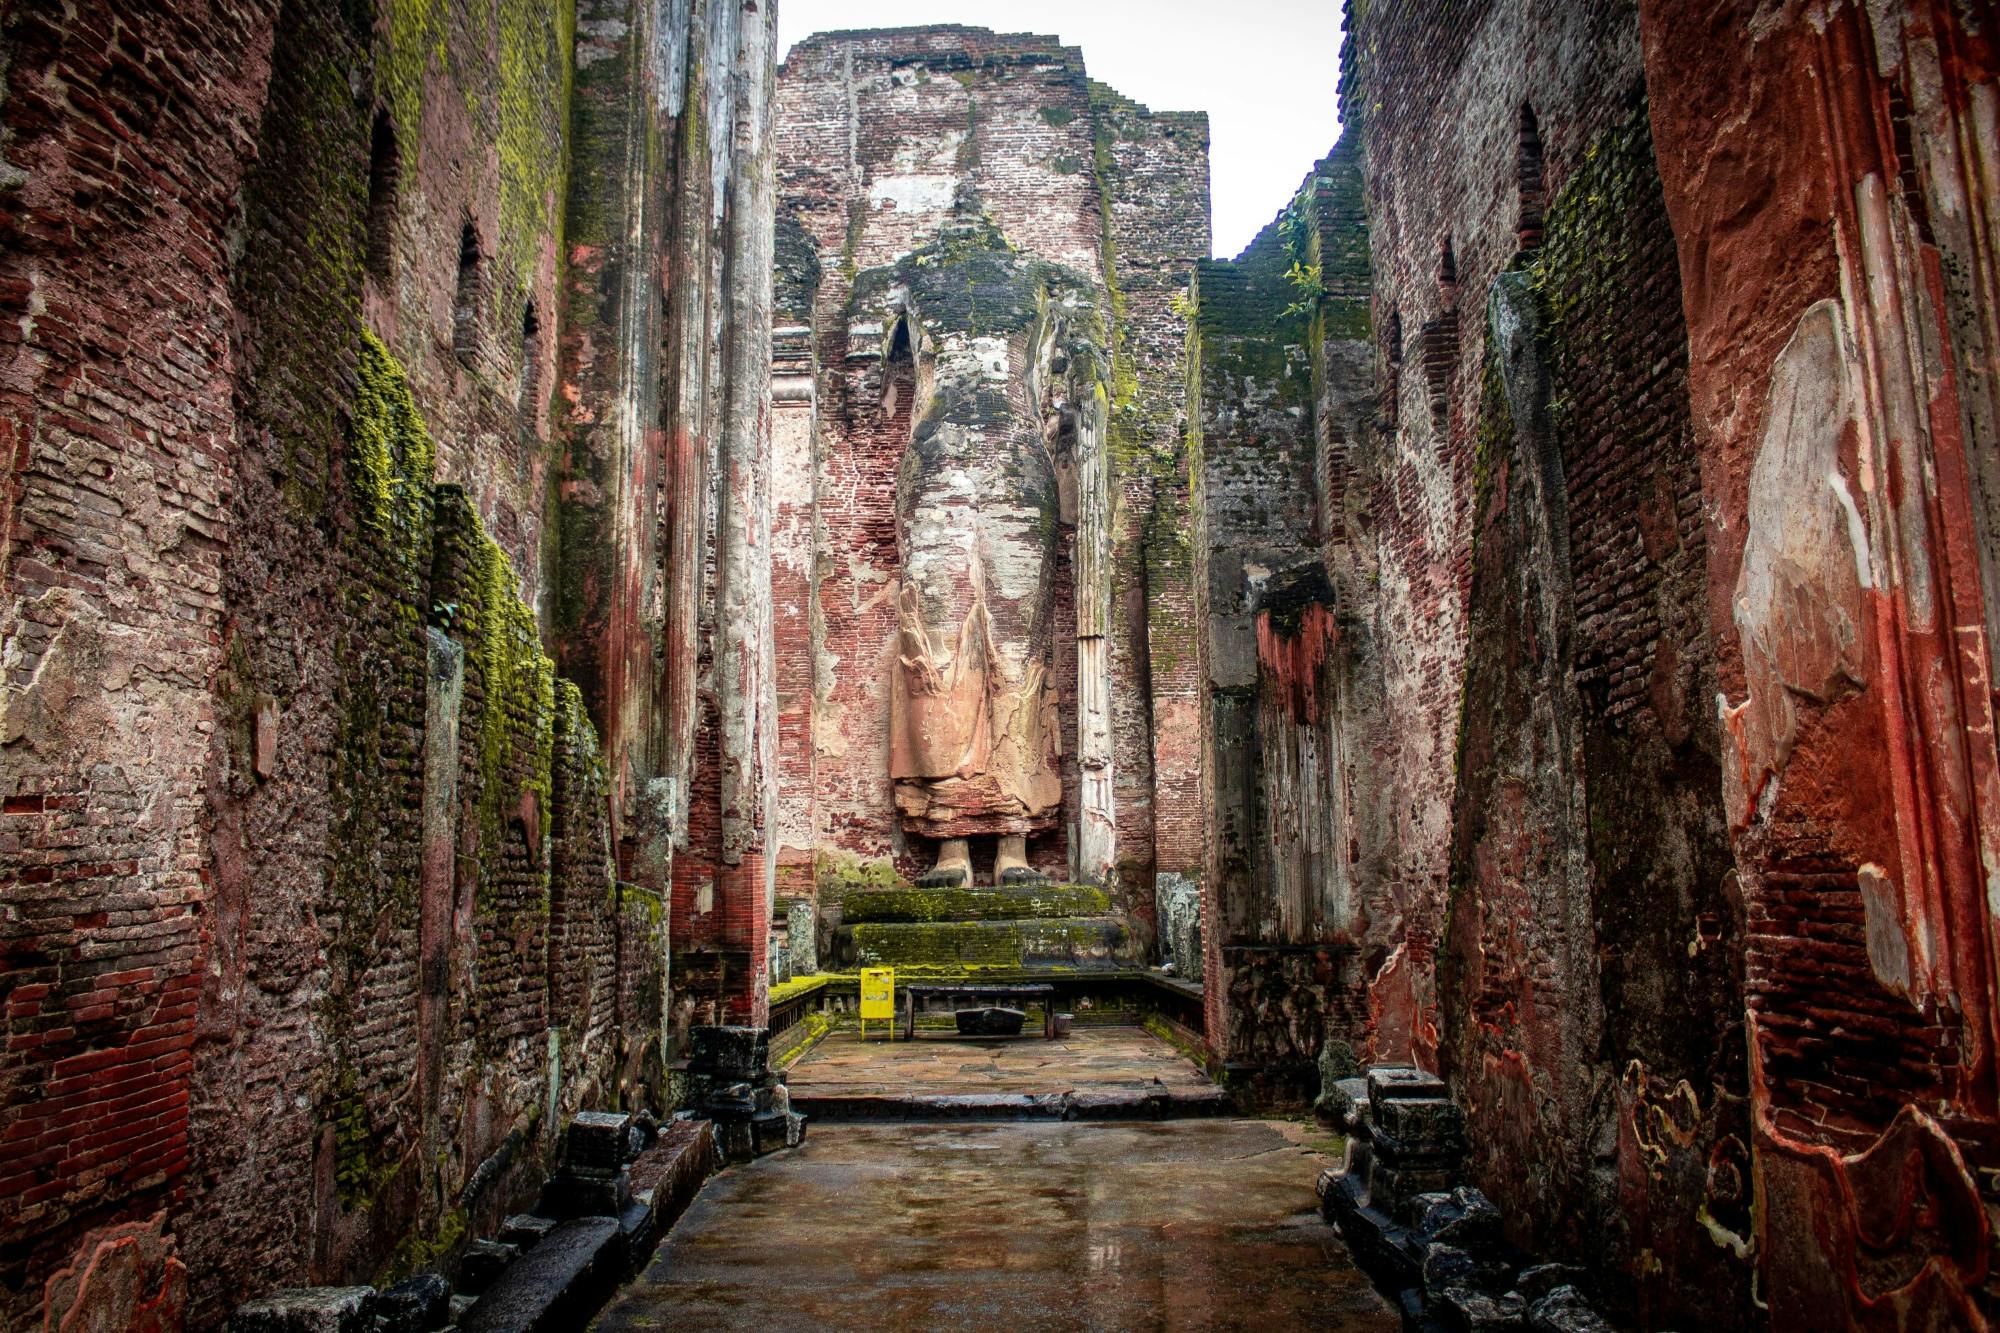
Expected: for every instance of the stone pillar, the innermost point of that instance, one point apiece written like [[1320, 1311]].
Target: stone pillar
[[1096, 849], [744, 683], [801, 937]]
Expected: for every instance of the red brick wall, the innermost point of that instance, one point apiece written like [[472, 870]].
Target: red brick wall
[[125, 137], [1819, 252], [256, 948]]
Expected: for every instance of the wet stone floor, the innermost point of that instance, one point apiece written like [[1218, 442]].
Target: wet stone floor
[[1195, 1225], [934, 1065]]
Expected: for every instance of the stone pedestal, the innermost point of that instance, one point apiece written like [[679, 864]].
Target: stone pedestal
[[1430, 1241], [731, 1083], [592, 1182]]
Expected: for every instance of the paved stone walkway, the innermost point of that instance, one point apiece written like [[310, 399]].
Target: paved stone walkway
[[938, 1064], [1194, 1225]]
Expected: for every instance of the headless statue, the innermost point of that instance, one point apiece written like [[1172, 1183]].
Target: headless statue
[[976, 737]]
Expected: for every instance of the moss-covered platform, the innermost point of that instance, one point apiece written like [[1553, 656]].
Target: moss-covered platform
[[941, 932], [995, 904]]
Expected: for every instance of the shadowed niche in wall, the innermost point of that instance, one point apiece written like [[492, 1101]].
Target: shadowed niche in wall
[[465, 305], [385, 170], [1529, 170]]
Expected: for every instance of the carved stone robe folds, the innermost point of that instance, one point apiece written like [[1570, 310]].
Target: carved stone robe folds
[[976, 734]]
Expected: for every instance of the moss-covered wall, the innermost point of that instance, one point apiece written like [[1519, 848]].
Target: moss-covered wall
[[423, 961], [1588, 766]]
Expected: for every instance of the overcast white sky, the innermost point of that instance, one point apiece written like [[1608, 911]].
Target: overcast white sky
[[1264, 70]]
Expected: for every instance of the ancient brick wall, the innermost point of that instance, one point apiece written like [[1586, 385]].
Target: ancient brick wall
[[1278, 334], [1652, 430], [124, 140], [1153, 170], [880, 136], [1837, 263], [333, 942], [1443, 100], [1553, 773]]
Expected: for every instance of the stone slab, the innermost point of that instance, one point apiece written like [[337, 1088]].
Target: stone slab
[[1198, 1225], [555, 1286]]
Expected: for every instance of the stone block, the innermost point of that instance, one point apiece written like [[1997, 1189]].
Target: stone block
[[419, 1304], [732, 1053], [1391, 1187], [740, 1101], [1465, 1218], [307, 1310], [1402, 1082], [775, 1130], [1449, 1266], [596, 1143], [1398, 1151], [566, 1196], [1565, 1310], [483, 1262], [557, 1285], [1421, 1124], [524, 1229], [1538, 1281], [1473, 1311]]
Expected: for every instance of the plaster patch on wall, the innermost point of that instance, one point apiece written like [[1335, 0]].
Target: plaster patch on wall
[[913, 193], [1799, 598], [1888, 944]]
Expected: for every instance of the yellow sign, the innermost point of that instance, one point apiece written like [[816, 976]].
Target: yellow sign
[[878, 992]]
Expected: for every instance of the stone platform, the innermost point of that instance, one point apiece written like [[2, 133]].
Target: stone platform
[[1202, 1225], [942, 932], [1091, 1074]]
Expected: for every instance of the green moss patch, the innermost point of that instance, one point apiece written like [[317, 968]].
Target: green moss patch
[[975, 904]]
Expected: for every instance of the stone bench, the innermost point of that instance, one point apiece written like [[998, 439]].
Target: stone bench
[[965, 990]]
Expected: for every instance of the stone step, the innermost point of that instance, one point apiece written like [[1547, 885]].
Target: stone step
[[1155, 1103], [1067, 942], [975, 904]]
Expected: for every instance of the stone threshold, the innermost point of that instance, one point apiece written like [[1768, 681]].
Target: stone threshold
[[1093, 1104], [563, 1278], [550, 1272]]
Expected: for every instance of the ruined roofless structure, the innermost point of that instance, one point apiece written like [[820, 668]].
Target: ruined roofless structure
[[537, 543]]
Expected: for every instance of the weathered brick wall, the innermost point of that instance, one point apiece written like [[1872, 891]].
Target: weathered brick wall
[[1278, 332], [1402, 699], [1253, 516], [1153, 170], [1592, 935], [879, 134], [123, 138], [330, 941], [1517, 559], [1610, 384], [1838, 287], [1441, 98]]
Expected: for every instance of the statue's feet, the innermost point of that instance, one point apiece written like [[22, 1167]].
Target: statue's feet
[[1010, 864], [953, 869]]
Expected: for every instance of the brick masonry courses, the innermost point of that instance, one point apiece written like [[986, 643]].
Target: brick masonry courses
[[1542, 590], [1603, 663], [311, 855], [878, 134]]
